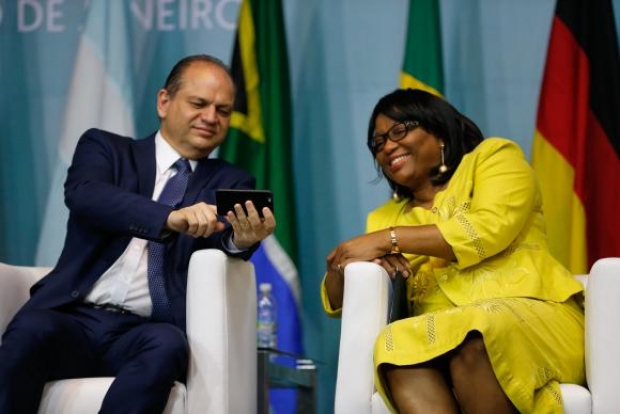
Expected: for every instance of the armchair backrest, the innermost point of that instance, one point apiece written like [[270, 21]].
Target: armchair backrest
[[603, 335], [15, 283], [364, 314], [221, 331]]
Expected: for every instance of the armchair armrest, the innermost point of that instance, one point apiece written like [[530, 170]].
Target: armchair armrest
[[367, 290], [15, 283], [603, 335], [221, 304]]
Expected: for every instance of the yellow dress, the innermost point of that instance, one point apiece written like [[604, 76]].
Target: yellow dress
[[505, 284]]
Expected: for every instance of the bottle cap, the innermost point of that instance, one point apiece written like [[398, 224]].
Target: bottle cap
[[265, 287]]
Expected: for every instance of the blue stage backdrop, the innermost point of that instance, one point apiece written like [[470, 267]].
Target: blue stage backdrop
[[66, 65]]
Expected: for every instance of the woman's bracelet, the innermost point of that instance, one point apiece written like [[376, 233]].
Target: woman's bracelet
[[394, 242]]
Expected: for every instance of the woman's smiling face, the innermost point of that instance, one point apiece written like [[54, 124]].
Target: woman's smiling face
[[410, 162]]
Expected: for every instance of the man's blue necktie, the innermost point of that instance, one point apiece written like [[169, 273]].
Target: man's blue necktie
[[171, 195]]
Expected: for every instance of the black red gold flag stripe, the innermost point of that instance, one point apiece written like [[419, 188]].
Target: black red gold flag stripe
[[576, 148]]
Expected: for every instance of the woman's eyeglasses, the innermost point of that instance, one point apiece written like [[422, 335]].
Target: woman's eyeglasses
[[394, 134]]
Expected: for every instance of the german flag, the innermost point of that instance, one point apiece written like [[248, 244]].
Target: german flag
[[576, 148], [423, 61]]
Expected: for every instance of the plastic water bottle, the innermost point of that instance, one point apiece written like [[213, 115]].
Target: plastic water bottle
[[266, 317]]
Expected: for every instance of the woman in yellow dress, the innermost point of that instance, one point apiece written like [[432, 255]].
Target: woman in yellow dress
[[496, 323]]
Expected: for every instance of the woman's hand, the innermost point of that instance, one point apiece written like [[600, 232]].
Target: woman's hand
[[361, 248], [395, 263], [368, 247]]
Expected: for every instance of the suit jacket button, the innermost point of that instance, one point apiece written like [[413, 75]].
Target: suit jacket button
[[75, 294]]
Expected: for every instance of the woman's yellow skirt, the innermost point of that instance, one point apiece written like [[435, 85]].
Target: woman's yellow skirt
[[533, 345]]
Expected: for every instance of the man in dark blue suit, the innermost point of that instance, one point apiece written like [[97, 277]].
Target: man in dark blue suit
[[94, 314]]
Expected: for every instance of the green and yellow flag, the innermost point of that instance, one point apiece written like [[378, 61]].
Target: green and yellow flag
[[260, 136], [423, 63], [260, 142]]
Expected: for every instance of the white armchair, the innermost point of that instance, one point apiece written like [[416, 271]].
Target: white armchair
[[221, 330], [365, 311]]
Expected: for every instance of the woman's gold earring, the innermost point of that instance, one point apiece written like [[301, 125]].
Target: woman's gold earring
[[443, 168]]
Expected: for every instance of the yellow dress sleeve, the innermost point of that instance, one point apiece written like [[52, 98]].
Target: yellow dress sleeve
[[497, 191], [334, 313]]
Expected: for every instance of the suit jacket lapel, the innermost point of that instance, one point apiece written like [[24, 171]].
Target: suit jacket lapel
[[200, 178], [144, 157]]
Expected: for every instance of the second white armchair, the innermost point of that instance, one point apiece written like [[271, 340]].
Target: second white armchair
[[365, 312]]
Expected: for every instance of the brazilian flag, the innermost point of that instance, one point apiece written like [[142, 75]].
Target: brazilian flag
[[423, 62]]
